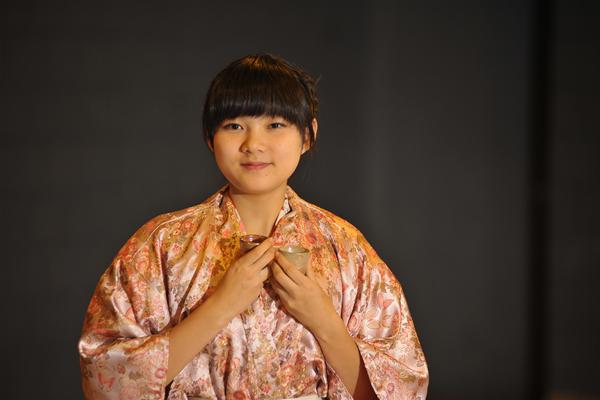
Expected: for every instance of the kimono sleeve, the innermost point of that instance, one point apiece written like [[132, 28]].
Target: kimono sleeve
[[382, 327], [124, 346]]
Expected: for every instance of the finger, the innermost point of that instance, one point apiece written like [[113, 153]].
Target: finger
[[263, 274], [281, 278], [284, 297], [264, 260], [254, 254], [290, 269], [278, 288], [309, 271]]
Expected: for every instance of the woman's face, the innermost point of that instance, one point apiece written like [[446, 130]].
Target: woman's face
[[257, 155]]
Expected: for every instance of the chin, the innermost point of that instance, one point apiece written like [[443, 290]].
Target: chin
[[258, 187]]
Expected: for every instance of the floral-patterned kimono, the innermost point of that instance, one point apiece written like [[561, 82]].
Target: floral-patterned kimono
[[175, 261]]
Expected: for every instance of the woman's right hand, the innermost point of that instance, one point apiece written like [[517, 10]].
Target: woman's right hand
[[238, 288], [244, 279]]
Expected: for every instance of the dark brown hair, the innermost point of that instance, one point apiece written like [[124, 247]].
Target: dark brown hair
[[261, 84]]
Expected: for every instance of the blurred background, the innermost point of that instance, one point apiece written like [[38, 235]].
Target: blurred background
[[462, 138]]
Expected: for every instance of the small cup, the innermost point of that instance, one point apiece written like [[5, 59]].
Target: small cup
[[297, 255], [248, 242]]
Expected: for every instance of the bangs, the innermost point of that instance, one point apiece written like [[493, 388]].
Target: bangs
[[257, 86], [257, 94]]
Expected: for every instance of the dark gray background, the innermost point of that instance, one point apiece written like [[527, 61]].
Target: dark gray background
[[460, 137]]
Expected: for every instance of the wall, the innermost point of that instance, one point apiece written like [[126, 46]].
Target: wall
[[427, 111]]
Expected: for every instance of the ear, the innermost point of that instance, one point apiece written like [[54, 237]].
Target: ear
[[315, 128], [210, 146]]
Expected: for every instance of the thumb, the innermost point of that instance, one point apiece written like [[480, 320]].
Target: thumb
[[309, 271]]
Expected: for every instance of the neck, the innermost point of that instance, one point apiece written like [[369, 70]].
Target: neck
[[258, 211]]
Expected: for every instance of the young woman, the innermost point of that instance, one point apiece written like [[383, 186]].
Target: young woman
[[179, 313]]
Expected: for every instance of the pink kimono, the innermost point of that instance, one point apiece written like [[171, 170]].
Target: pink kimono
[[175, 261]]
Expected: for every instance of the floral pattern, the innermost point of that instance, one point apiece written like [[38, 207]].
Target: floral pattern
[[176, 260]]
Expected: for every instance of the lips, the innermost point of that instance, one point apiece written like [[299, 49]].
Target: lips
[[255, 165]]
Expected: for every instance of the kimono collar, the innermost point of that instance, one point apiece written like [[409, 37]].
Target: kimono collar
[[230, 218]]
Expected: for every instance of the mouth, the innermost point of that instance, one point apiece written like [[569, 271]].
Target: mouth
[[255, 165]]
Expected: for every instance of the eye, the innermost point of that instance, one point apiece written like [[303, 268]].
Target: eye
[[278, 124], [232, 126]]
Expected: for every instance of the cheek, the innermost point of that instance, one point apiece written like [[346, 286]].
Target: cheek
[[289, 156], [290, 147], [223, 149], [287, 148], [223, 160]]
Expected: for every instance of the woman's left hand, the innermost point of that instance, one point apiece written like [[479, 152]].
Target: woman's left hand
[[311, 306], [302, 297]]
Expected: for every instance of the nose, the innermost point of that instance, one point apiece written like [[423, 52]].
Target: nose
[[253, 141]]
